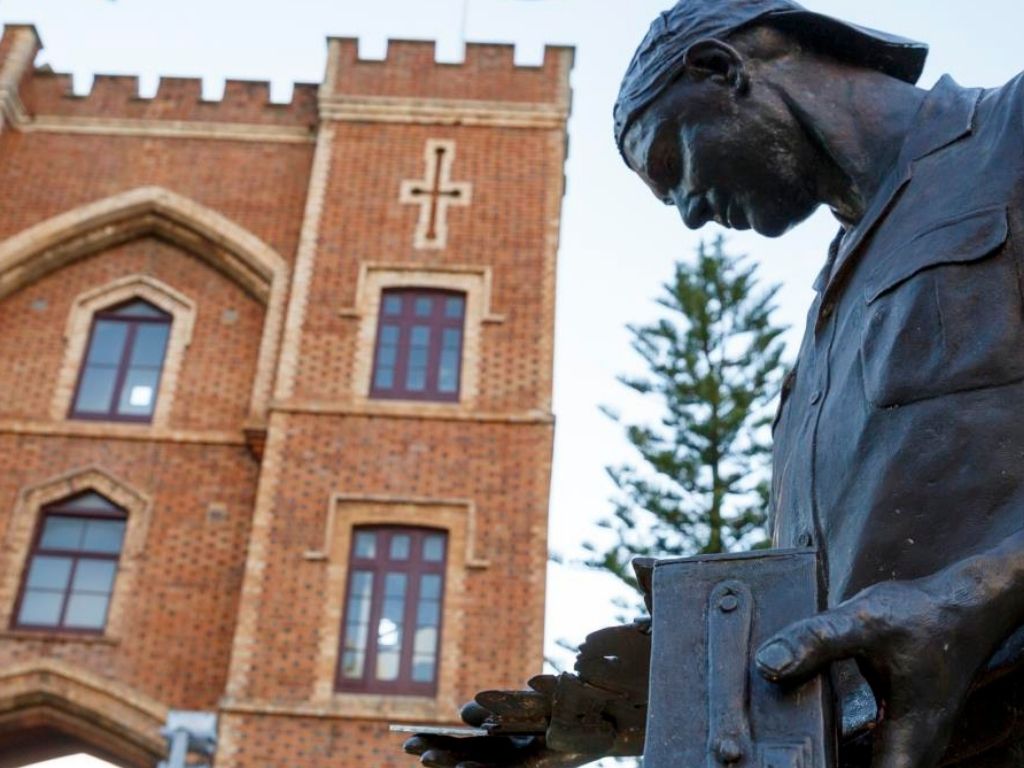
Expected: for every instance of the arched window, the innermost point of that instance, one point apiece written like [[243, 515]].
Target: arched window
[[419, 345], [392, 630], [120, 374], [70, 574]]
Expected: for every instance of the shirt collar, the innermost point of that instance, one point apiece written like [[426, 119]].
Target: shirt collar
[[947, 114]]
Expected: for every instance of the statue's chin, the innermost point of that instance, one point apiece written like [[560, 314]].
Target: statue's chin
[[772, 229], [778, 225]]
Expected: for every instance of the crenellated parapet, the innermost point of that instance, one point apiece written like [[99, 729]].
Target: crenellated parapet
[[176, 99], [410, 85]]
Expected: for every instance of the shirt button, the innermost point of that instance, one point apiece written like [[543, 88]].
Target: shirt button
[[805, 540], [827, 310], [816, 397]]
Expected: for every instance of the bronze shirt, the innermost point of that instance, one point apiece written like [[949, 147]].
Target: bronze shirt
[[899, 443]]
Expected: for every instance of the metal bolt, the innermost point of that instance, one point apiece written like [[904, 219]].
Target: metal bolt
[[729, 603], [729, 751]]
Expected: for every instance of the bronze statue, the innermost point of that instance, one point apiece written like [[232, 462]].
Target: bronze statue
[[899, 443]]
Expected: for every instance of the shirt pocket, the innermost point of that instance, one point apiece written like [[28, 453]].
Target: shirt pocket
[[944, 314]]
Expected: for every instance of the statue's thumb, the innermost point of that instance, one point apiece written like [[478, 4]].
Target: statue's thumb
[[807, 647]]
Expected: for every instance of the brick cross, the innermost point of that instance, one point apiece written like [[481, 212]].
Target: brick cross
[[435, 193]]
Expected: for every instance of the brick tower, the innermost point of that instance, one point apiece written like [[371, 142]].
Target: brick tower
[[275, 412]]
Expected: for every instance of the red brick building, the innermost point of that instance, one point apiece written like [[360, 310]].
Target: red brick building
[[275, 405]]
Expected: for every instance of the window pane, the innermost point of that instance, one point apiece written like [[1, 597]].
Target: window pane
[[392, 305], [62, 533], [96, 391], [387, 356], [426, 642], [433, 549], [89, 500], [86, 611], [139, 308], [390, 630], [49, 573], [384, 378], [360, 597], [103, 536], [424, 306], [366, 544], [150, 344], [423, 669], [394, 585], [401, 545], [451, 349], [357, 625], [353, 663], [428, 613], [107, 346], [430, 587], [138, 396], [41, 608], [94, 576], [420, 337], [419, 352], [387, 665], [454, 307], [416, 380]]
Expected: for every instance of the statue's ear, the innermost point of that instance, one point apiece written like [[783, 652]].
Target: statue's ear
[[718, 61]]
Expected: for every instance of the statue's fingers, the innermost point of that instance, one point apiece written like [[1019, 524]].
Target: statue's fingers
[[440, 758], [473, 714], [421, 744], [417, 745], [546, 684], [807, 647]]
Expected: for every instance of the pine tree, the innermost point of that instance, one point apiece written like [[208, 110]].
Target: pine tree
[[714, 364]]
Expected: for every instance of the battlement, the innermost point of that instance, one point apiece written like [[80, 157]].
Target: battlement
[[176, 98], [410, 73], [411, 70]]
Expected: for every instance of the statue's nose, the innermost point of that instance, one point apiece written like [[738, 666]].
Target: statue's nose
[[694, 209]]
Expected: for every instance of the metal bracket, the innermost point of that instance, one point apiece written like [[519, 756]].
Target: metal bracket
[[730, 611], [730, 743]]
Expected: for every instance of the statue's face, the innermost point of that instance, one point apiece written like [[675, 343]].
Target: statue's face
[[716, 154]]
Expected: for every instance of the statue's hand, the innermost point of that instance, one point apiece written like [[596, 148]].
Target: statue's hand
[[919, 644], [489, 751], [562, 721]]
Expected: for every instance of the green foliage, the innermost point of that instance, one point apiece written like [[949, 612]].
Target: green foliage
[[714, 364]]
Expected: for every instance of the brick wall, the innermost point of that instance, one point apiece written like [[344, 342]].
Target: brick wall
[[231, 596]]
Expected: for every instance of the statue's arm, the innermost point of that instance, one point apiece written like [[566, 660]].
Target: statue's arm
[[922, 644]]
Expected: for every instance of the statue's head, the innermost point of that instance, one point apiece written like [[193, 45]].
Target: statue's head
[[701, 120]]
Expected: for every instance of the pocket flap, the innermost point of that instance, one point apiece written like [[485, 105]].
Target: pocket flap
[[961, 240]]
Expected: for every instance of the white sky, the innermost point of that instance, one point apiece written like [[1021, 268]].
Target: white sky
[[618, 244]]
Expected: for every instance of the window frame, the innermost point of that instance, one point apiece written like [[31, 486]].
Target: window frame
[[380, 566], [109, 314], [438, 323], [60, 509]]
